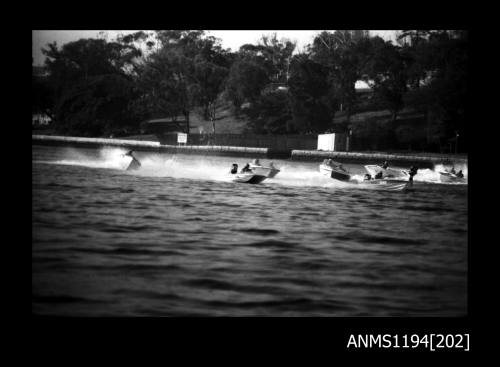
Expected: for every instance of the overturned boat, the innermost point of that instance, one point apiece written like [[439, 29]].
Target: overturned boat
[[334, 170], [134, 164]]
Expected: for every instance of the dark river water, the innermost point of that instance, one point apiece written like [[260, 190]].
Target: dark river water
[[178, 238]]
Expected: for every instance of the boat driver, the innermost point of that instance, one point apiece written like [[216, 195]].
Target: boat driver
[[412, 172], [234, 169], [246, 168]]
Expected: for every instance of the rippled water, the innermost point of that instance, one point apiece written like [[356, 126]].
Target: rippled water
[[177, 238]]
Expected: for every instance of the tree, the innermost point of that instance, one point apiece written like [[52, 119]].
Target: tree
[[188, 70], [88, 78], [247, 77], [42, 94], [277, 54], [210, 79], [165, 85], [312, 105], [258, 77], [385, 71], [211, 69], [442, 95], [271, 113], [342, 54], [97, 106]]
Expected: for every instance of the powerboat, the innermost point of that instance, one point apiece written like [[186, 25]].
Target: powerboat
[[334, 170], [450, 177], [258, 169], [268, 172], [248, 177], [374, 170], [390, 184]]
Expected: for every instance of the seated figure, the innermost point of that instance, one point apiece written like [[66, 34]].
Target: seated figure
[[246, 168]]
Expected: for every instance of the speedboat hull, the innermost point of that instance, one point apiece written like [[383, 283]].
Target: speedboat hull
[[269, 172], [332, 172], [385, 184], [250, 178], [450, 177], [373, 170]]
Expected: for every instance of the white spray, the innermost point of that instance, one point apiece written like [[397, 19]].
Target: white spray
[[217, 168]]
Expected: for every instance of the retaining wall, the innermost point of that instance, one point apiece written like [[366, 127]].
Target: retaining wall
[[376, 158], [140, 145], [427, 161]]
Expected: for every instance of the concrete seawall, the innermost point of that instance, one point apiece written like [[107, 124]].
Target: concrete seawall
[[422, 161], [140, 145]]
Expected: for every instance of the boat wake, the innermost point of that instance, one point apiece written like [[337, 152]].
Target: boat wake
[[217, 168], [109, 158]]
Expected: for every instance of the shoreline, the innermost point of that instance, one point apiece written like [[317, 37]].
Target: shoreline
[[424, 161]]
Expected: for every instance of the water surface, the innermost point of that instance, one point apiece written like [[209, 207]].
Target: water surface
[[177, 238]]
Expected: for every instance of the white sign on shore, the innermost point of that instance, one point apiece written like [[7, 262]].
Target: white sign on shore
[[182, 138], [326, 142]]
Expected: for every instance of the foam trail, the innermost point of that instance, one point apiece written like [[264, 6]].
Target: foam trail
[[111, 158], [300, 175], [217, 168], [182, 167], [433, 176]]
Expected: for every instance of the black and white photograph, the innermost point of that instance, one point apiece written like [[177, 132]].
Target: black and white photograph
[[250, 173]]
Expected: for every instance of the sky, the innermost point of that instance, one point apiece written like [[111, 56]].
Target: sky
[[229, 39]]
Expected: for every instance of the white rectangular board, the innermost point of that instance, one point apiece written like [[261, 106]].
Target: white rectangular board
[[326, 142]]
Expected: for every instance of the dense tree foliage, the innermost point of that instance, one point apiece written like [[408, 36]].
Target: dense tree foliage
[[92, 87], [98, 87], [311, 98]]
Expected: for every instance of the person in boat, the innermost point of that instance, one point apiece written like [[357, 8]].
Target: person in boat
[[234, 169], [378, 175], [452, 170], [460, 174], [412, 172], [256, 162], [367, 177], [385, 165], [246, 168], [271, 165], [135, 164]]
